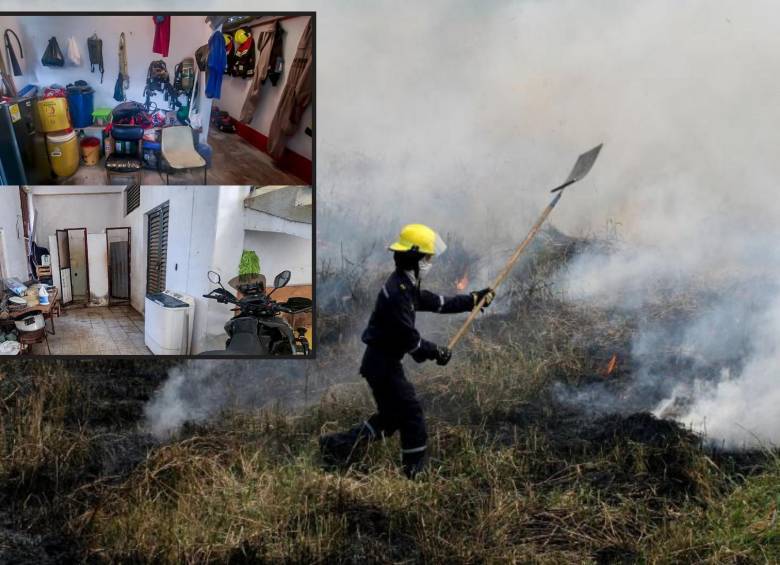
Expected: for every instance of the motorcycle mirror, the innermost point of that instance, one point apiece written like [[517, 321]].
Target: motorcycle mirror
[[282, 279], [215, 278]]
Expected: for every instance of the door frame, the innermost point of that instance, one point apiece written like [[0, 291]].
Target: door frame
[[86, 258], [129, 267]]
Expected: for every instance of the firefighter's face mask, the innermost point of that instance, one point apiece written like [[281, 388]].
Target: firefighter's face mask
[[425, 264]]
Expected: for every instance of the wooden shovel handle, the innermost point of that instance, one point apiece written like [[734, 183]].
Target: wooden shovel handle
[[506, 270]]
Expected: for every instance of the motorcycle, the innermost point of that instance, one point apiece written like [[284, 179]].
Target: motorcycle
[[258, 329]]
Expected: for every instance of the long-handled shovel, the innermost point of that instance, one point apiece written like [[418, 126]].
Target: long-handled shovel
[[581, 168]]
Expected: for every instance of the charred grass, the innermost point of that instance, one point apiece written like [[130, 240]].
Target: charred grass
[[515, 475]]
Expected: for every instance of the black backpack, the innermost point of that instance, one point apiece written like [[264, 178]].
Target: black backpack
[[159, 80], [52, 57], [95, 50]]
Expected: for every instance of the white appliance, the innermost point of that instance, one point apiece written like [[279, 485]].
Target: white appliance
[[168, 318], [67, 291]]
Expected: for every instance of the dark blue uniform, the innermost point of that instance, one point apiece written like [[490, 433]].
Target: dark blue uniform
[[390, 335]]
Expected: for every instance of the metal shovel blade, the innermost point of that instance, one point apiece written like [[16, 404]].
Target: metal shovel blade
[[581, 168]]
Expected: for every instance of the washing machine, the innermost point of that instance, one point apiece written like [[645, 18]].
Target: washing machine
[[168, 318]]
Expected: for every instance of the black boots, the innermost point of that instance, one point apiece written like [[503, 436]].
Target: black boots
[[413, 461], [343, 448]]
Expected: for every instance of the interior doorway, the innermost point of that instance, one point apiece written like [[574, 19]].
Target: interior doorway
[[118, 245], [73, 265]]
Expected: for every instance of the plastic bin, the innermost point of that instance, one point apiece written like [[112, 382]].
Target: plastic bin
[[63, 151], [53, 114], [90, 151], [81, 104]]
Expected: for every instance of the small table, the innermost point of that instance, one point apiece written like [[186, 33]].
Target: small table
[[47, 310]]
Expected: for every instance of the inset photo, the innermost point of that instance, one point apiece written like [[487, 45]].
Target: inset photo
[[147, 99], [156, 270]]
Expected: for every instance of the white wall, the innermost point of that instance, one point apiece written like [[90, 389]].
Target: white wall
[[94, 208], [206, 231], [13, 233], [181, 202], [234, 92], [98, 269], [279, 252], [187, 34]]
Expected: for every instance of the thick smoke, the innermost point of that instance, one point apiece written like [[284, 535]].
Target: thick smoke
[[461, 114], [198, 391]]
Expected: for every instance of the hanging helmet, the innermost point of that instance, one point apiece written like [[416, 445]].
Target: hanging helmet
[[420, 238], [241, 36]]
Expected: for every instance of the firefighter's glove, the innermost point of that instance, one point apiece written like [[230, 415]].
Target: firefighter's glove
[[488, 293], [443, 355]]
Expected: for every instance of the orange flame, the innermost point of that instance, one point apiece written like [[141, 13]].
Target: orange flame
[[463, 282], [611, 366]]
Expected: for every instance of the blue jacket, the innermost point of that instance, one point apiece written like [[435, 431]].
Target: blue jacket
[[216, 63]]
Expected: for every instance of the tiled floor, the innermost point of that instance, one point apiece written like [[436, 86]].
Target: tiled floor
[[115, 330]]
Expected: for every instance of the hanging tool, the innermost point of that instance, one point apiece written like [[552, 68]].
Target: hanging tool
[[11, 53], [581, 168]]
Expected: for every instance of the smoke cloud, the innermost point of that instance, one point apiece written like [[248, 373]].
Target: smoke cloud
[[462, 114], [198, 391]]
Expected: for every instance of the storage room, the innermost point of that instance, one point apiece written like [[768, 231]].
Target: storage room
[[149, 99]]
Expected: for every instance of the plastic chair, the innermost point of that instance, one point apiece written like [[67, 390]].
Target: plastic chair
[[179, 151], [122, 163]]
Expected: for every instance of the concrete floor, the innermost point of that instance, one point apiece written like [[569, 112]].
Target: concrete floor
[[234, 162], [114, 330]]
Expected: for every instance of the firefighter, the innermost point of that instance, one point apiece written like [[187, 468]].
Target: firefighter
[[390, 335]]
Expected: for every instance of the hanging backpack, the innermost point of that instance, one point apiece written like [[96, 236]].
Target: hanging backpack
[[11, 53], [95, 48], [159, 80], [52, 56]]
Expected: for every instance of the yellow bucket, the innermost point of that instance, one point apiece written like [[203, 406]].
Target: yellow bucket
[[53, 114], [63, 152]]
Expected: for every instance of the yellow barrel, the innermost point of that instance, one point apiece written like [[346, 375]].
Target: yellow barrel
[[53, 114], [63, 151]]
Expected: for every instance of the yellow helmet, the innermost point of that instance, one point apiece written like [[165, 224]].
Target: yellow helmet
[[241, 36], [419, 237]]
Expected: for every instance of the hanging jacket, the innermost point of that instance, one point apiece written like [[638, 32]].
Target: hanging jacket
[[243, 62], [229, 52], [162, 35], [266, 35], [217, 62], [296, 96]]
